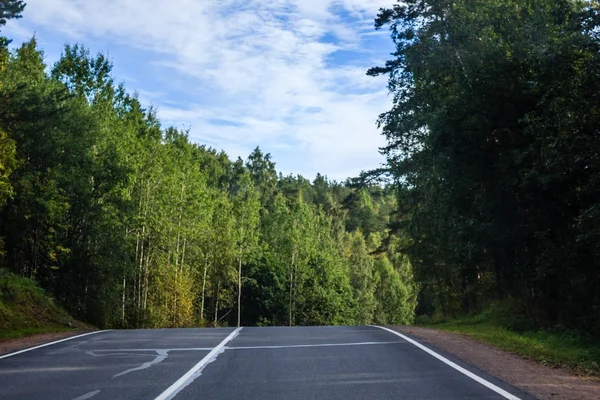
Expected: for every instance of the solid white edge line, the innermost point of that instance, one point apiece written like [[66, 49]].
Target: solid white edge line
[[174, 388], [460, 369], [51, 343]]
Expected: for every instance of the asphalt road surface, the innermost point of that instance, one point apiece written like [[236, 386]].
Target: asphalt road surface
[[298, 363]]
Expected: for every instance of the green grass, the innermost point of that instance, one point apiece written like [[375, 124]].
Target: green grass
[[26, 310], [22, 332], [558, 347]]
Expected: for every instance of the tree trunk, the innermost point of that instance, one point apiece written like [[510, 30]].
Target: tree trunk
[[175, 294], [239, 291], [179, 226], [217, 303], [292, 289], [146, 273], [290, 300], [137, 253], [123, 302], [183, 254], [203, 289], [140, 274]]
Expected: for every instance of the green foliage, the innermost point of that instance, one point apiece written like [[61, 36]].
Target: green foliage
[[493, 143], [362, 278], [130, 224], [8, 163], [10, 9], [246, 219], [395, 294]]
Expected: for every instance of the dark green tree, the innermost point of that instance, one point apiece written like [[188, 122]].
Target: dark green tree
[[491, 140], [10, 9]]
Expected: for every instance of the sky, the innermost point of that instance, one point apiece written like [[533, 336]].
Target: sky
[[285, 75]]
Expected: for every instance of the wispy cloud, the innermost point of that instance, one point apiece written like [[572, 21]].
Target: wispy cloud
[[288, 75]]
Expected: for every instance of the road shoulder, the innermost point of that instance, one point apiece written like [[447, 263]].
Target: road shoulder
[[12, 345], [540, 381]]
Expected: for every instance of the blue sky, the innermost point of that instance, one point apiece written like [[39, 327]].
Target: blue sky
[[285, 75]]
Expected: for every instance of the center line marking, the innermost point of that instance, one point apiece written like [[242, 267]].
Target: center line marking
[[151, 350], [193, 373], [308, 345], [87, 395]]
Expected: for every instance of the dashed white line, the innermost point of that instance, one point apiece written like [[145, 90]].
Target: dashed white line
[[51, 343], [195, 371], [457, 367], [87, 395], [149, 350]]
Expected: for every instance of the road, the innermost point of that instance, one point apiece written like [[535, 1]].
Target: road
[[297, 363]]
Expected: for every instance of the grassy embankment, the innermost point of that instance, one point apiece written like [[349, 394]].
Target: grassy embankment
[[556, 347], [26, 310]]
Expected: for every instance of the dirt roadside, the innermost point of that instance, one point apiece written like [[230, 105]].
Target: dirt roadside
[[11, 345], [541, 381]]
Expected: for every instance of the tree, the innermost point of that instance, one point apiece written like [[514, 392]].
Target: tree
[[10, 9], [264, 176], [86, 76], [217, 247], [246, 206], [8, 164], [361, 278], [8, 160], [325, 290], [490, 140], [130, 224]]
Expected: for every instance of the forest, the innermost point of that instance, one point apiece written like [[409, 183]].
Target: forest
[[493, 143], [129, 224], [490, 197]]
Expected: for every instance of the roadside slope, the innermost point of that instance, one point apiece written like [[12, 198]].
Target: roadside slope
[[25, 310]]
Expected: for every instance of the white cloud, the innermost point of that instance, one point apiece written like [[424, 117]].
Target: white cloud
[[262, 64]]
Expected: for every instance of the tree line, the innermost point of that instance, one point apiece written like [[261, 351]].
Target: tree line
[[494, 147], [130, 224], [489, 196]]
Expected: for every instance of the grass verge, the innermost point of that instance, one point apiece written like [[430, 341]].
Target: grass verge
[[26, 310], [19, 333], [557, 348]]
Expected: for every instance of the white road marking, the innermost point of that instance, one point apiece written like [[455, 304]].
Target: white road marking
[[44, 370], [457, 367], [195, 371], [87, 395], [129, 353], [161, 355], [147, 350], [51, 343], [292, 346]]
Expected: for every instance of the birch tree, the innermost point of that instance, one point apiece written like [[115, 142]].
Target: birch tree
[[246, 208]]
